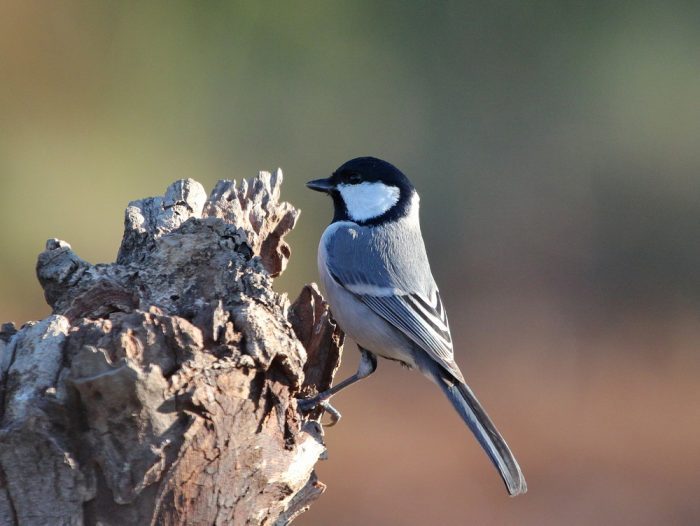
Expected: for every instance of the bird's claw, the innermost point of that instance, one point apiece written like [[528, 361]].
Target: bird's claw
[[309, 404], [305, 405], [332, 412]]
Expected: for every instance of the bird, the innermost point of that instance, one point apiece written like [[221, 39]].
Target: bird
[[374, 268]]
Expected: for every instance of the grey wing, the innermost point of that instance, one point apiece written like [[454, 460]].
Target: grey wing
[[406, 297], [424, 323]]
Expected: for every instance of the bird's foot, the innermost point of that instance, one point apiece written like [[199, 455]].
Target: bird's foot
[[305, 405], [332, 412], [309, 404]]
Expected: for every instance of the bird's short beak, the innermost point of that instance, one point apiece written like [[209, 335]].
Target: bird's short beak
[[321, 185]]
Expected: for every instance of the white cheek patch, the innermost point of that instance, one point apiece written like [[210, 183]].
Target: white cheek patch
[[368, 200]]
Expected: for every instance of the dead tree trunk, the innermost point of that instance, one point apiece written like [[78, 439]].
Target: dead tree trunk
[[162, 388]]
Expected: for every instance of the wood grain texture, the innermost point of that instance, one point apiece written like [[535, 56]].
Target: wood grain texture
[[162, 388]]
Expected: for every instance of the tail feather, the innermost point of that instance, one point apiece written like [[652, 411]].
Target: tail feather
[[486, 433]]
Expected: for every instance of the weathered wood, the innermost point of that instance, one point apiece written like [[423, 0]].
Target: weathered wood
[[162, 388]]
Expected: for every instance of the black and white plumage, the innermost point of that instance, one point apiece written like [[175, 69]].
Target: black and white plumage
[[374, 267]]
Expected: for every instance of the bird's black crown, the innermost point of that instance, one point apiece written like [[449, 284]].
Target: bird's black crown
[[370, 170]]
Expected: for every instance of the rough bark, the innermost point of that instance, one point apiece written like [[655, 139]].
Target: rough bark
[[162, 388]]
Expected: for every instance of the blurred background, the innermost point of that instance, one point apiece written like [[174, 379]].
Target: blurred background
[[556, 146]]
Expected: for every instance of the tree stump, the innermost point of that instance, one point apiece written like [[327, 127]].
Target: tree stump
[[162, 388]]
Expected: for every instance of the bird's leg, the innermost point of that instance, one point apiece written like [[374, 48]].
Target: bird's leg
[[368, 364]]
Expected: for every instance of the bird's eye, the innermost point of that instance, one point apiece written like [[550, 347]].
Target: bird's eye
[[353, 178]]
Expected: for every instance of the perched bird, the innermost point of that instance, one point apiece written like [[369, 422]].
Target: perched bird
[[373, 264]]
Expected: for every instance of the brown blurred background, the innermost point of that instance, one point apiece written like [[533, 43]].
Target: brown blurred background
[[556, 146]]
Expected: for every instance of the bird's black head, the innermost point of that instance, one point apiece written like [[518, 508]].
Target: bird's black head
[[368, 191]]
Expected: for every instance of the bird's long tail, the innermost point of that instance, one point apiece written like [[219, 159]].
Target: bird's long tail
[[486, 433]]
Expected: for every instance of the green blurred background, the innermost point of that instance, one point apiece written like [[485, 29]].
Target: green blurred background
[[556, 146]]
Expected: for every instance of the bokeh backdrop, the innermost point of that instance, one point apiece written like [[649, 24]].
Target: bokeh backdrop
[[556, 146]]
